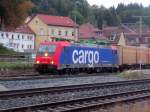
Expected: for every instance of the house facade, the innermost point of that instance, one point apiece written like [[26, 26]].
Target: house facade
[[20, 40], [50, 28], [88, 33], [130, 32]]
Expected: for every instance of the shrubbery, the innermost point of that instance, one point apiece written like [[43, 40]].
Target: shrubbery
[[15, 65], [4, 50]]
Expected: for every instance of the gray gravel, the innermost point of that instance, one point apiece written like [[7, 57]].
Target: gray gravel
[[26, 84], [45, 98]]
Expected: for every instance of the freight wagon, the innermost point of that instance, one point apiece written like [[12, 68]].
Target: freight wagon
[[132, 57]]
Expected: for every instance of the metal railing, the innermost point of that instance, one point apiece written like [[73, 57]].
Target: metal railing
[[16, 58]]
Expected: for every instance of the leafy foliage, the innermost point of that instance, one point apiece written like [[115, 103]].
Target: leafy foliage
[[5, 50], [13, 12], [82, 12], [16, 65]]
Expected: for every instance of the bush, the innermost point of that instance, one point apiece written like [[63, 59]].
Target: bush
[[5, 50], [15, 65]]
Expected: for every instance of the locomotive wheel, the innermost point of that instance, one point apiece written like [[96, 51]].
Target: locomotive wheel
[[68, 71], [42, 72], [98, 70], [61, 72]]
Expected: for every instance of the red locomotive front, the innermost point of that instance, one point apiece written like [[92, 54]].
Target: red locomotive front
[[47, 59]]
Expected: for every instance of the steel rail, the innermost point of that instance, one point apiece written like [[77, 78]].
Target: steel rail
[[81, 104], [36, 76], [69, 88]]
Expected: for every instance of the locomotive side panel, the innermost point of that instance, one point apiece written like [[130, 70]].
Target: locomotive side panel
[[80, 57]]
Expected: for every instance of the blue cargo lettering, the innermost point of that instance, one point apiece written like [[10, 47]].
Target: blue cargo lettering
[[96, 57], [85, 57], [81, 56], [74, 56]]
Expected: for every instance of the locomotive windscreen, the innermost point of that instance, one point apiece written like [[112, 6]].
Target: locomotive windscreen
[[47, 48]]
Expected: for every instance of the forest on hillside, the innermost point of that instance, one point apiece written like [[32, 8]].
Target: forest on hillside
[[79, 10]]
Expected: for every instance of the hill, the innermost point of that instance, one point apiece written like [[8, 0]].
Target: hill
[[81, 12]]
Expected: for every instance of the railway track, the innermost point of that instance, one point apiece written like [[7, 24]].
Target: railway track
[[86, 104], [36, 76], [60, 89], [22, 94]]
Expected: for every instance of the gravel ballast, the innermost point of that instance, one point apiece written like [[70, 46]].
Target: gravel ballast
[[49, 98], [28, 84]]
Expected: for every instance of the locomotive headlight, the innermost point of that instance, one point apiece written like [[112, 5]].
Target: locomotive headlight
[[37, 62], [52, 62], [46, 54]]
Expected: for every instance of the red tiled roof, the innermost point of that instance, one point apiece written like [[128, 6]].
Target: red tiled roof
[[57, 20], [24, 29], [87, 31]]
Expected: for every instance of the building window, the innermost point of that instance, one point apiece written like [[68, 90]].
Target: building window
[[73, 33], [36, 22], [17, 45], [52, 32], [66, 33], [12, 36], [97, 33], [146, 40], [30, 37], [14, 44], [7, 35], [59, 32], [2, 34], [137, 40], [18, 36], [22, 46], [41, 31], [22, 36], [113, 37]]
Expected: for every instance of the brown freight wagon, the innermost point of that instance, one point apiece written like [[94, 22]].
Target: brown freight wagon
[[133, 57]]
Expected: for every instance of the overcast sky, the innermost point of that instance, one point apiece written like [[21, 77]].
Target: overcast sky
[[108, 3]]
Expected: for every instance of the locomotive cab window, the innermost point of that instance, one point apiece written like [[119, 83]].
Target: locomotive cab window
[[47, 48]]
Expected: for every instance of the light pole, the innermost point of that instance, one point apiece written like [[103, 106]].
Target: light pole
[[140, 33], [75, 19]]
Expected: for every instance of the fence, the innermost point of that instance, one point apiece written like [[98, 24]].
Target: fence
[[26, 58]]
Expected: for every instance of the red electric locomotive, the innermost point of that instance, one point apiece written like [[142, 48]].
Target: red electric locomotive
[[65, 57], [47, 59]]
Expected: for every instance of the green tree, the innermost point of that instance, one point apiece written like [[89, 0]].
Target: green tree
[[76, 16], [13, 12]]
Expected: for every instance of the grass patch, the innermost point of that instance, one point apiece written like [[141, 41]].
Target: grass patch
[[4, 50], [132, 74], [16, 65]]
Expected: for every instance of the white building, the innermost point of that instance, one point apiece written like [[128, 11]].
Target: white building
[[20, 40]]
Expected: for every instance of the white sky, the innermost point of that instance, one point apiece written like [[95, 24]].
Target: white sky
[[109, 3]]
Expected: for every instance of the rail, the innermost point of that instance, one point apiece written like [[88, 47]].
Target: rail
[[54, 90], [14, 58]]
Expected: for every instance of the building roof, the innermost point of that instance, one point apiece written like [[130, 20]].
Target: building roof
[[24, 29], [88, 31], [57, 20]]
